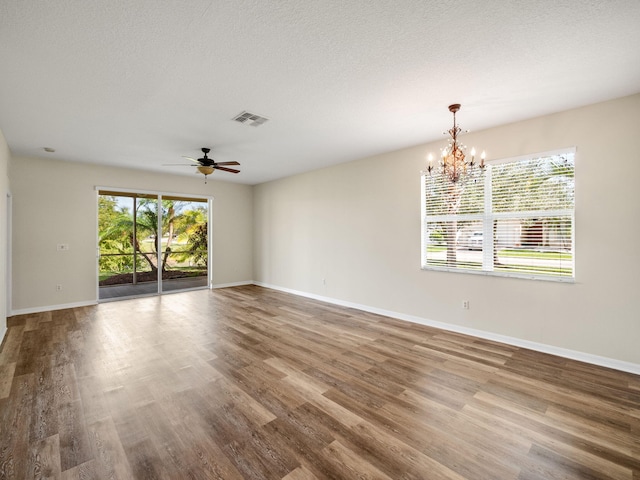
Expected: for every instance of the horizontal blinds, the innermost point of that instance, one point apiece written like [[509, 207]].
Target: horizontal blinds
[[446, 198], [455, 243], [539, 247], [535, 184]]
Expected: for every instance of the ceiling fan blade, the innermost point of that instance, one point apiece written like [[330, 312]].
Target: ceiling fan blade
[[189, 158], [227, 163], [232, 170]]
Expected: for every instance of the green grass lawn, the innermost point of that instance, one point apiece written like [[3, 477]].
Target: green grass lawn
[[521, 253], [514, 253], [504, 256], [506, 268], [533, 269]]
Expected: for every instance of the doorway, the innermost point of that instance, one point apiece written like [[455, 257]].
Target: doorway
[[8, 267], [150, 244]]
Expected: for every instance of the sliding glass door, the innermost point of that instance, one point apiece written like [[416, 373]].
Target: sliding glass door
[[141, 235], [184, 243]]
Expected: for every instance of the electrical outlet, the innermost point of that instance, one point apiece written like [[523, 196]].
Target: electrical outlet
[[58, 288], [465, 304]]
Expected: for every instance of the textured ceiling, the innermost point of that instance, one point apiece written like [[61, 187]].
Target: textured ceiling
[[142, 83]]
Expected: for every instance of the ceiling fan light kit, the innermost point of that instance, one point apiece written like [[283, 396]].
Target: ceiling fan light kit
[[205, 170]]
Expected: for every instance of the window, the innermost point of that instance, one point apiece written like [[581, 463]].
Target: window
[[514, 219]]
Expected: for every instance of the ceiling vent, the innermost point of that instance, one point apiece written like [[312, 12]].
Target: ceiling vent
[[250, 119]]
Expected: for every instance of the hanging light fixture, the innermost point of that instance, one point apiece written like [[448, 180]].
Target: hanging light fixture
[[205, 170], [453, 162]]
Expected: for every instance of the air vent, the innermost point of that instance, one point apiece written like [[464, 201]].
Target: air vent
[[250, 119]]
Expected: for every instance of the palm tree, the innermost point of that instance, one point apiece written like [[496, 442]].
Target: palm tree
[[147, 224], [142, 223]]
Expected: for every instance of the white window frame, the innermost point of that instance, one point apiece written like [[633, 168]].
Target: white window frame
[[487, 217]]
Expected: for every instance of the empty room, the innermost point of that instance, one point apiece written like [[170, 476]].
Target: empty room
[[303, 240]]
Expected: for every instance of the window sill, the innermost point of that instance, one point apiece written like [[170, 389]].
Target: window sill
[[523, 276]]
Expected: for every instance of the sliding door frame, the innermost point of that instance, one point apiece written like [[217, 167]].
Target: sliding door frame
[[159, 195]]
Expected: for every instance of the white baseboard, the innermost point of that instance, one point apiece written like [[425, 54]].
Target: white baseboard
[[3, 332], [517, 342], [234, 284], [50, 308]]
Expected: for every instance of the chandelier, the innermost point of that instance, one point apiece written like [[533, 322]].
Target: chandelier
[[453, 163]]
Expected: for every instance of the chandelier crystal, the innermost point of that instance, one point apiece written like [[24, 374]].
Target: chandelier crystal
[[453, 162]]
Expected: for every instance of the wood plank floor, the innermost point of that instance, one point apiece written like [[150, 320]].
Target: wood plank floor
[[250, 383]]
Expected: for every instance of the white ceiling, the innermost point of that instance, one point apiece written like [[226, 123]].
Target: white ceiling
[[142, 83]]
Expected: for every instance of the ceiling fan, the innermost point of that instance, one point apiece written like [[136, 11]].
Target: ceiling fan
[[206, 165]]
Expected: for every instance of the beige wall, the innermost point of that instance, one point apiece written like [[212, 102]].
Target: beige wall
[[357, 226], [55, 202], [4, 191]]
